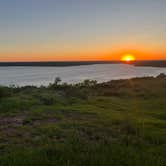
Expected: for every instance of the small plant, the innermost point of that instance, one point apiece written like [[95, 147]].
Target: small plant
[[27, 121], [47, 100], [56, 83], [57, 80], [88, 83], [161, 75], [4, 92]]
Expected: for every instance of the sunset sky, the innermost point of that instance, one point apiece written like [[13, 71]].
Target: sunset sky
[[50, 30]]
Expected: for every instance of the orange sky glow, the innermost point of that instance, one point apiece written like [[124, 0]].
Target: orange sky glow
[[82, 30], [79, 56]]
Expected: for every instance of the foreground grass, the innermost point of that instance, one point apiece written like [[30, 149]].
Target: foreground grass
[[116, 123]]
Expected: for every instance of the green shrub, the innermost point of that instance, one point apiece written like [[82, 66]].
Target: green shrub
[[161, 75], [5, 92]]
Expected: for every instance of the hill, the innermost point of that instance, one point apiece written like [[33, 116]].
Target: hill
[[120, 122]]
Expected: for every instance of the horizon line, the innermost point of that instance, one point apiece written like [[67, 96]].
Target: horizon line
[[81, 61]]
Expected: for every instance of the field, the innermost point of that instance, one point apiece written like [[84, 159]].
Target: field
[[118, 123]]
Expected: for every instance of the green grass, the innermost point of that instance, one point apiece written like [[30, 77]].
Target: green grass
[[119, 123]]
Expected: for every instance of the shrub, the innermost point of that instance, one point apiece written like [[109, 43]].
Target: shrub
[[47, 100], [87, 83], [161, 75], [57, 80], [4, 92], [56, 83]]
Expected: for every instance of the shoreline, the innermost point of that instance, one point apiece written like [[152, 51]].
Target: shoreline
[[149, 63], [59, 83]]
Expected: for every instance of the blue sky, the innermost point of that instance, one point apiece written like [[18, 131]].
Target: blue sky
[[81, 27]]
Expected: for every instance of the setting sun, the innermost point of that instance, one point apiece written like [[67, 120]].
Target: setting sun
[[128, 58]]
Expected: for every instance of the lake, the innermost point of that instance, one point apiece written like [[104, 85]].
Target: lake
[[73, 74]]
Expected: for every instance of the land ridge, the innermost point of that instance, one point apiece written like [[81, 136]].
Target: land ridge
[[120, 122], [152, 63]]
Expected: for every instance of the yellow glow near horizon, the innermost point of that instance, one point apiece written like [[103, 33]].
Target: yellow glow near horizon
[[128, 58]]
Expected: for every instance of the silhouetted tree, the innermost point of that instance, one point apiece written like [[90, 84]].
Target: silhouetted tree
[[57, 80]]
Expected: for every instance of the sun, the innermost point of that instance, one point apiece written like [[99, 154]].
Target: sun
[[128, 58]]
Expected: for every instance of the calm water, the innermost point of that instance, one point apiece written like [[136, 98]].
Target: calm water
[[73, 74]]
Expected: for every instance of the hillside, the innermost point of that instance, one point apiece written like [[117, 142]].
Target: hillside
[[120, 122]]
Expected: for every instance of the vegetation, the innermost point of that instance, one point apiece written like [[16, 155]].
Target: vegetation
[[119, 123]]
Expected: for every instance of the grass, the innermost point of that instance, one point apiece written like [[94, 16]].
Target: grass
[[119, 123]]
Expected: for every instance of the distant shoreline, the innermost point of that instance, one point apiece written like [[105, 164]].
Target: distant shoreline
[[150, 63]]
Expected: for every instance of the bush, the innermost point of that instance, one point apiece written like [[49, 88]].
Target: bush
[[56, 83], [4, 92], [161, 75], [87, 83], [47, 100]]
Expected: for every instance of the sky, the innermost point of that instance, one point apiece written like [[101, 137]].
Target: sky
[[58, 30]]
